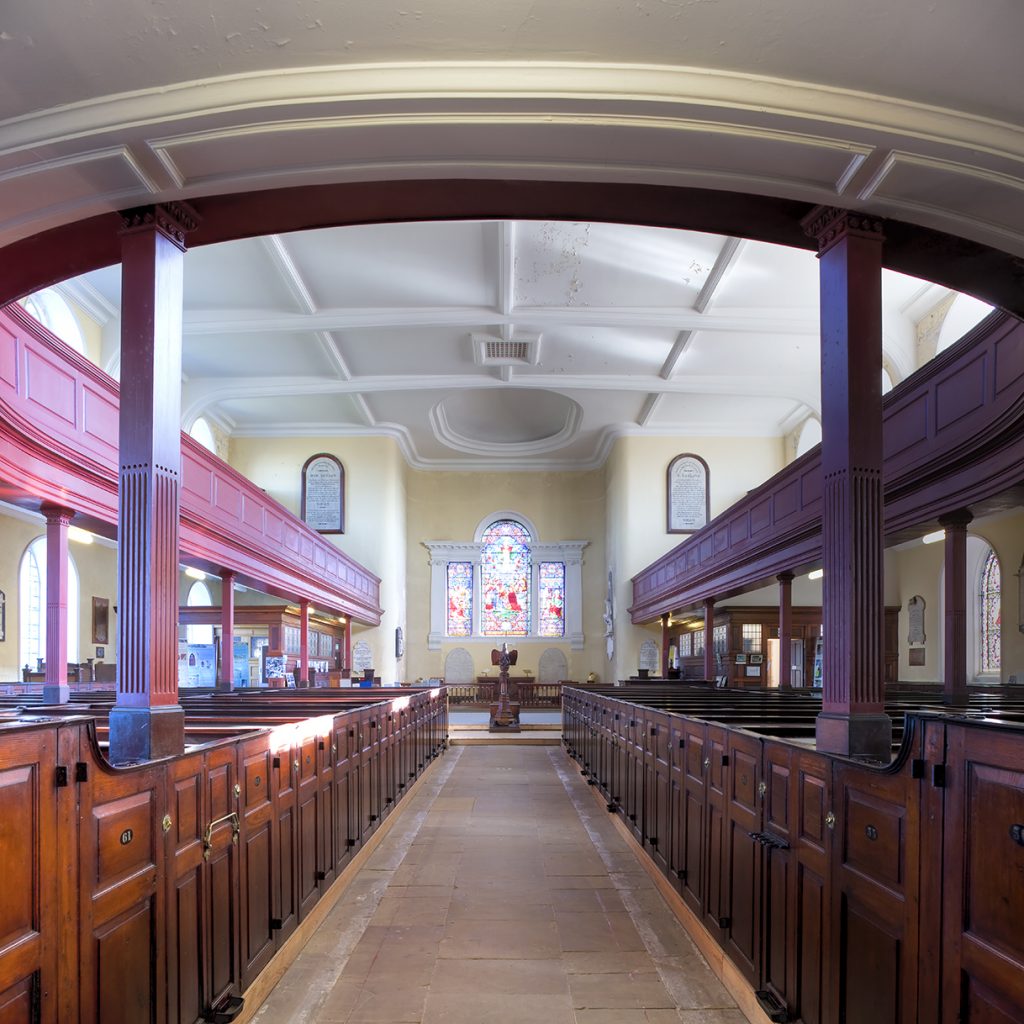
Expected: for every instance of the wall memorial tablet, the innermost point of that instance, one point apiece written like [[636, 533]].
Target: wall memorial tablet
[[915, 612], [688, 494], [323, 494]]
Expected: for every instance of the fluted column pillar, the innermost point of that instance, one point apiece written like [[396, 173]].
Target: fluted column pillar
[[954, 654], [853, 719], [146, 720], [785, 630], [55, 688]]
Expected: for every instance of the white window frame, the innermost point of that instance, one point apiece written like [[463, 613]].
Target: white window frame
[[569, 552]]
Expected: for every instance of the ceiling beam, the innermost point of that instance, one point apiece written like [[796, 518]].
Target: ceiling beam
[[683, 341], [726, 257], [283, 263]]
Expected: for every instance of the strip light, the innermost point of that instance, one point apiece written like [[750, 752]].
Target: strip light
[[933, 538]]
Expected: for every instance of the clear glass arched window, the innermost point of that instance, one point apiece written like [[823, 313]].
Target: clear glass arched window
[[810, 435], [505, 572], [990, 613], [886, 381], [32, 605], [199, 596], [50, 309], [202, 433]]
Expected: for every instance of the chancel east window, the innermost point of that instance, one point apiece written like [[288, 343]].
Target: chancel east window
[[990, 606], [505, 583]]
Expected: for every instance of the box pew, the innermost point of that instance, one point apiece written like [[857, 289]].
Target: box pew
[[820, 877], [159, 892]]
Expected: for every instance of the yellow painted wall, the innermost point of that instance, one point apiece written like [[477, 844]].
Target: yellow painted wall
[[450, 506], [636, 513], [375, 532], [97, 571]]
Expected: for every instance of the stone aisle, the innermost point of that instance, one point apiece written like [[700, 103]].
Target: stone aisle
[[502, 894]]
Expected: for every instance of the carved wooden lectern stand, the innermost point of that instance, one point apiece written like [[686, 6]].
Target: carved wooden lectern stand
[[504, 714]]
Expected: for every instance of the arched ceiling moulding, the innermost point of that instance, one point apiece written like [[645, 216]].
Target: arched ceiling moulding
[[76, 248]]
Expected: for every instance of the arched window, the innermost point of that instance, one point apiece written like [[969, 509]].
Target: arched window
[[810, 435], [55, 315], [32, 605], [202, 433], [199, 597], [990, 609], [886, 381], [505, 572]]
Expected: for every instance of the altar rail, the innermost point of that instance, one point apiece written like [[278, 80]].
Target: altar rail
[[156, 893], [59, 437], [953, 436], [840, 892], [484, 694]]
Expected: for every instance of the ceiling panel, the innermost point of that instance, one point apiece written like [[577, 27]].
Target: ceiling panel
[[738, 415], [383, 351], [293, 411], [255, 355], [619, 351], [396, 265]]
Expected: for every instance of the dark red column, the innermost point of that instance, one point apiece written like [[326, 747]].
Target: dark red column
[[664, 646], [954, 654], [227, 631], [146, 721], [853, 719], [303, 675], [56, 689], [785, 630], [347, 666], [709, 638]]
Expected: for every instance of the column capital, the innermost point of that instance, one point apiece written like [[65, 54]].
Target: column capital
[[709, 602], [960, 519], [786, 577], [173, 219], [57, 513], [831, 224]]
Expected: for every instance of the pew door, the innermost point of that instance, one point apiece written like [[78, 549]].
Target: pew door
[[693, 814], [307, 785], [716, 845], [29, 916], [121, 905], [257, 865], [983, 910], [286, 843]]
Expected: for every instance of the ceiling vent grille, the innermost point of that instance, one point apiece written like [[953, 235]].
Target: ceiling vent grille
[[523, 350]]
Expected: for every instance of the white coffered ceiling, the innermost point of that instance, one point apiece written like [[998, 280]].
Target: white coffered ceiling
[[402, 330]]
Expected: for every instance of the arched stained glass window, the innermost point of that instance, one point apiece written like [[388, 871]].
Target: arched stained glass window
[[551, 599], [459, 619], [991, 613], [505, 580]]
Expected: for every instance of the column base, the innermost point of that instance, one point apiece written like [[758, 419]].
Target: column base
[[143, 734], [56, 693], [224, 686], [855, 735]]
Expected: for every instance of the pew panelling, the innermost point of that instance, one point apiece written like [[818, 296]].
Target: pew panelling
[[983, 927], [257, 863], [715, 845], [29, 852]]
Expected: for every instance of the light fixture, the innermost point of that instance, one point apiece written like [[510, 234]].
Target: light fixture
[[933, 538], [342, 619], [79, 535], [816, 575], [196, 574]]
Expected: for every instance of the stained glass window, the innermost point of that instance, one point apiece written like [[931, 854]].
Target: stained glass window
[[551, 598], [991, 615], [460, 599], [505, 580]]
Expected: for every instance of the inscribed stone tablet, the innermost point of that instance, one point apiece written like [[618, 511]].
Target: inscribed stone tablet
[[362, 657], [650, 658], [322, 502], [915, 610], [687, 494]]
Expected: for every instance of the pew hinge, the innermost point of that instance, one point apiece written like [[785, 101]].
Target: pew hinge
[[917, 766], [225, 1011], [61, 776], [81, 772], [774, 1009], [939, 776]]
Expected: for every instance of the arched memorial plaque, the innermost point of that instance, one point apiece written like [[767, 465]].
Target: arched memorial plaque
[[688, 494], [323, 494]]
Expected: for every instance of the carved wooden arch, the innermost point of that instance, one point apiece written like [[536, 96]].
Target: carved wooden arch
[[334, 525], [669, 528], [75, 248]]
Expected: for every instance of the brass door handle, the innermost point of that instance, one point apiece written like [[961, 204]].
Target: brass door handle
[[208, 834]]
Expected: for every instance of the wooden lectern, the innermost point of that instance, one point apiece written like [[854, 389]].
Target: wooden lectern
[[504, 714]]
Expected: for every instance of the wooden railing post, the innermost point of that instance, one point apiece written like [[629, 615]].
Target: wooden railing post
[[147, 721], [853, 719]]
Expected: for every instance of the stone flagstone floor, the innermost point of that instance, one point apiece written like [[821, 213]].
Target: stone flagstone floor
[[501, 894]]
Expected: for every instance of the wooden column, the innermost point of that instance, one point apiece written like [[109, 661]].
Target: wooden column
[[954, 654], [55, 688], [347, 651], [853, 719], [146, 721], [785, 630], [664, 646], [709, 638], [303, 675], [227, 632]]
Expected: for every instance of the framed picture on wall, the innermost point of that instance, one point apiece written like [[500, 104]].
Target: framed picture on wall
[[100, 620]]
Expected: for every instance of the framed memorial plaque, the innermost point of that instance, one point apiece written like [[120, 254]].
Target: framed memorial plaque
[[688, 494], [323, 494]]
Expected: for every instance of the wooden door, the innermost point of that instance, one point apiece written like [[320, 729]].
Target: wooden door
[[257, 864], [694, 810], [716, 914]]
